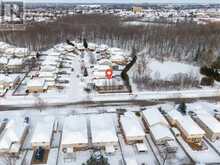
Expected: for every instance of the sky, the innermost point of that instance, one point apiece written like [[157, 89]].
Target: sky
[[126, 1]]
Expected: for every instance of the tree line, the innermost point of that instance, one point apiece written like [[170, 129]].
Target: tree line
[[181, 41]]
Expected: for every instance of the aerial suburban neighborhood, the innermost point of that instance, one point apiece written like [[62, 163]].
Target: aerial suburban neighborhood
[[109, 83]]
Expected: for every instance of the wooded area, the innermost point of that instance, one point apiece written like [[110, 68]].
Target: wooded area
[[180, 41]]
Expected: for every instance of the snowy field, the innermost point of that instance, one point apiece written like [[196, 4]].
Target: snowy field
[[167, 69]]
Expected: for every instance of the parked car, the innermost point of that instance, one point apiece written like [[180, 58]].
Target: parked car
[[39, 154], [27, 120]]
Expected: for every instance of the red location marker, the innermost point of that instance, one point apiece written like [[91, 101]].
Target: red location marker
[[108, 73]]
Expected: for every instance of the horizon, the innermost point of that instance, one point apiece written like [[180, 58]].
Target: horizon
[[201, 2]]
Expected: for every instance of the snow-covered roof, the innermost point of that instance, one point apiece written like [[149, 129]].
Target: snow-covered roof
[[99, 75], [141, 147], [49, 63], [174, 115], [118, 57], [114, 50], [74, 130], [21, 51], [48, 69], [12, 133], [8, 79], [186, 122], [130, 161], [3, 60], [47, 75], [210, 122], [190, 126], [131, 126], [92, 45], [161, 132], [153, 116], [43, 131], [103, 47], [15, 61], [10, 50], [36, 83], [103, 129], [105, 62], [101, 67], [105, 82], [80, 46]]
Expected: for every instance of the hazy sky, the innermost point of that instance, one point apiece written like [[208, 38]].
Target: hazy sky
[[127, 1]]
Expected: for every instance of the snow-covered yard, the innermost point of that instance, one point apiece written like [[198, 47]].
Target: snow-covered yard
[[167, 69]]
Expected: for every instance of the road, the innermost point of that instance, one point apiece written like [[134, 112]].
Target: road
[[140, 98]]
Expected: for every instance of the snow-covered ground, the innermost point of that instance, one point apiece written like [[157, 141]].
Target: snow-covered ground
[[167, 69]]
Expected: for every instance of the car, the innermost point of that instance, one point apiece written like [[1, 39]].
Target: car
[[39, 154], [5, 120], [27, 119]]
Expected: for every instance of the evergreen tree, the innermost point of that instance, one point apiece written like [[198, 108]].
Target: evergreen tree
[[97, 159], [85, 44], [85, 74]]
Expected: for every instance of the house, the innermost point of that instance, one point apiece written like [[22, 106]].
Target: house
[[131, 161], [102, 48], [10, 51], [80, 47], [74, 136], [161, 134], [98, 75], [49, 68], [15, 64], [4, 46], [190, 131], [137, 9], [209, 124], [3, 62], [173, 117], [105, 62], [103, 85], [152, 117], [119, 59], [37, 86], [48, 76], [158, 126], [43, 133], [141, 147], [21, 52], [103, 131], [92, 46], [131, 129], [9, 82], [13, 136], [100, 68]]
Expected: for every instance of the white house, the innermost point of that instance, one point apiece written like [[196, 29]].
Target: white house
[[75, 135], [37, 86], [152, 117], [190, 131], [13, 136], [132, 129], [210, 125], [43, 133], [9, 82], [161, 134], [103, 131]]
